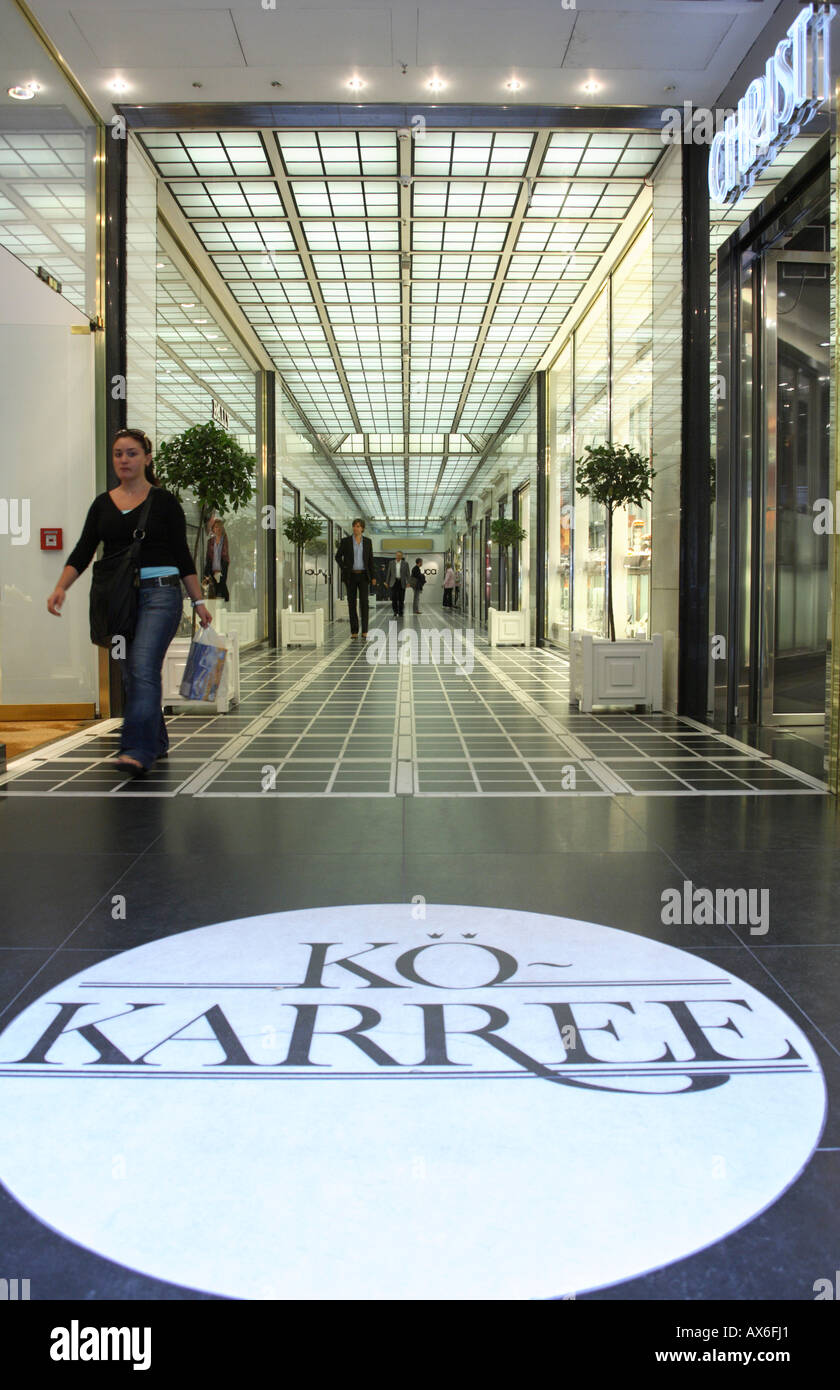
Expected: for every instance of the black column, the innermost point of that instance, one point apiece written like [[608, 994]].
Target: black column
[[116, 174], [542, 422], [270, 500], [693, 667], [116, 177]]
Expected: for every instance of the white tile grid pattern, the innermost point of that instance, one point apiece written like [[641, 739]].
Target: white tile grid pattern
[[330, 723]]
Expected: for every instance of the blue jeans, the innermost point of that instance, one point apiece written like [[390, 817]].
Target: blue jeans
[[144, 735]]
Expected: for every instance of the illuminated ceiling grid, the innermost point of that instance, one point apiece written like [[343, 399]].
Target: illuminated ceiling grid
[[405, 282]]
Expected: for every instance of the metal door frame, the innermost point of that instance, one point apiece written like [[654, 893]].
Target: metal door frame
[[765, 562]]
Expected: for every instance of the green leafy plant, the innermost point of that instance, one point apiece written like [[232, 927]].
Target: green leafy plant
[[614, 475], [300, 531], [506, 532], [211, 464]]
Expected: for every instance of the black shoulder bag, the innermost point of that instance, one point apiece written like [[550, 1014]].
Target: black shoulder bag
[[113, 587]]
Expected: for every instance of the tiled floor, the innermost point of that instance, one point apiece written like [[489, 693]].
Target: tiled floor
[[461, 720]]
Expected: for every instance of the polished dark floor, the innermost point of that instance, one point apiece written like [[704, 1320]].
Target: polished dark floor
[[185, 861]]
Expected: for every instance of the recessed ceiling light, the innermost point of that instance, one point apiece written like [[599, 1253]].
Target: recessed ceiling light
[[191, 305], [159, 265], [201, 320], [591, 87], [25, 92], [356, 84], [514, 85], [435, 84], [119, 84]]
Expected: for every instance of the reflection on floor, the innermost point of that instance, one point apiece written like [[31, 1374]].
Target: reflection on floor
[[461, 719]]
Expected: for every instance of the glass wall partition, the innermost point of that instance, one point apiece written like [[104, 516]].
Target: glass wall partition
[[202, 375], [592, 423], [560, 508], [600, 390], [289, 594], [632, 373], [317, 563]]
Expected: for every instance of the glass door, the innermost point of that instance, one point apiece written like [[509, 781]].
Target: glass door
[[796, 357]]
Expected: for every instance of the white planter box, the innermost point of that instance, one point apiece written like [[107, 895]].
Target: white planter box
[[628, 672], [508, 629], [173, 673], [243, 624], [302, 629]]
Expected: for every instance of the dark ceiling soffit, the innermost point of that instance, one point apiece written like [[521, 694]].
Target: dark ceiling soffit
[[234, 115]]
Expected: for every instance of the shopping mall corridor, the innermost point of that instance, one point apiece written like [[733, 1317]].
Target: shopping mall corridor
[[471, 781]]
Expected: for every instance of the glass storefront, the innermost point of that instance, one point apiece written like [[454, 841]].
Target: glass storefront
[[771, 562], [289, 592], [317, 565], [599, 390]]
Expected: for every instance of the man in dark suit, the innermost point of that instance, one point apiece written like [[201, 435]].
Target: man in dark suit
[[396, 580], [354, 558]]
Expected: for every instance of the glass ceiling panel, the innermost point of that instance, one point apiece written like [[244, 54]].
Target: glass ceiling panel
[[339, 340]]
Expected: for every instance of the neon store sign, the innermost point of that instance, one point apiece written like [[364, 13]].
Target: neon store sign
[[774, 107]]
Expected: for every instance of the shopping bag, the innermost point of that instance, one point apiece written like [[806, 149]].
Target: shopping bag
[[205, 666]]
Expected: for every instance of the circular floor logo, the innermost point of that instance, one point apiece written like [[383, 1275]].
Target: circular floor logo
[[369, 1102]]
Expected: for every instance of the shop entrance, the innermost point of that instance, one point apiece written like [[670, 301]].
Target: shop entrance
[[795, 402], [775, 290]]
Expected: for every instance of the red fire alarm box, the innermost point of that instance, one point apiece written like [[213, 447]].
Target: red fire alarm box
[[51, 538]]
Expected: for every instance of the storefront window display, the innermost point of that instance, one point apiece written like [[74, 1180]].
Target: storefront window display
[[599, 390]]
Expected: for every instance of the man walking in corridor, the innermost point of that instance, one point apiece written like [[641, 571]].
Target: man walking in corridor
[[354, 558], [396, 580]]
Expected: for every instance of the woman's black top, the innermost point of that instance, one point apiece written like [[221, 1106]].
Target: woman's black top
[[165, 542]]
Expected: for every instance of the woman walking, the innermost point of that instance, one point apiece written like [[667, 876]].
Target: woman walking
[[165, 560]]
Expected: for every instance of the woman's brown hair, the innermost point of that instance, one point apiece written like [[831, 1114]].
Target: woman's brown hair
[[143, 439]]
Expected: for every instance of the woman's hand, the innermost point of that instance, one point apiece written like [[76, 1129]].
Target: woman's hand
[[203, 614], [55, 601]]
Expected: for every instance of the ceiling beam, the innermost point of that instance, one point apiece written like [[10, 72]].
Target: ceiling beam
[[438, 479], [404, 143], [535, 159], [302, 249], [420, 177]]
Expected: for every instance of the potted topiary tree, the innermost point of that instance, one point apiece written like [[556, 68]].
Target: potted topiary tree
[[298, 627], [211, 465], [605, 671], [511, 627]]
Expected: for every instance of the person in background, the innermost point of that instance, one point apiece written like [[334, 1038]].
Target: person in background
[[418, 580], [354, 558], [396, 580], [456, 597], [165, 562], [217, 562], [448, 586]]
